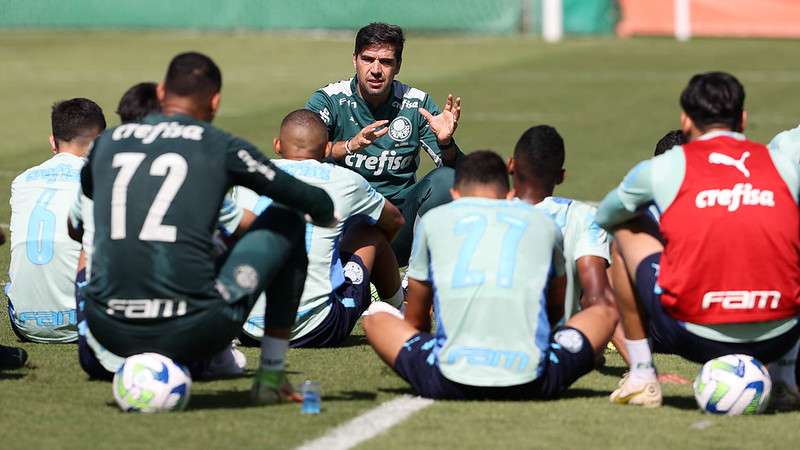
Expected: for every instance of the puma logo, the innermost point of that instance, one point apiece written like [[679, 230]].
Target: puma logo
[[725, 160]]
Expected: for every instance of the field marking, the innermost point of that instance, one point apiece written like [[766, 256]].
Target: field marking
[[369, 424]]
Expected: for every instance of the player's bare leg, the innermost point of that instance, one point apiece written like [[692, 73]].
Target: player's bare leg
[[596, 322], [640, 386], [370, 244], [387, 333]]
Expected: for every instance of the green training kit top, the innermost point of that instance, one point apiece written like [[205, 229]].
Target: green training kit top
[[157, 188], [390, 163]]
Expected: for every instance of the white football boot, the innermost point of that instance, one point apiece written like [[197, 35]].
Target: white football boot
[[632, 391]]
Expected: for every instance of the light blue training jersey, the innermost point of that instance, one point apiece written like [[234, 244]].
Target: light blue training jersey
[[582, 237], [43, 257], [489, 262], [352, 196]]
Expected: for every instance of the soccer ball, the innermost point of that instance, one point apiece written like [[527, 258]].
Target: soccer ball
[[150, 382], [732, 385]]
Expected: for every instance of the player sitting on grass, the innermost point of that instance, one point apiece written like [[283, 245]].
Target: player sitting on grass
[[727, 278], [536, 168], [484, 263], [44, 259], [157, 187], [138, 102], [342, 261], [378, 125]]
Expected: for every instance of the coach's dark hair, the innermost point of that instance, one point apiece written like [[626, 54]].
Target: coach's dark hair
[[539, 156], [481, 167], [192, 74], [76, 118], [714, 98], [671, 139], [137, 102], [378, 33]]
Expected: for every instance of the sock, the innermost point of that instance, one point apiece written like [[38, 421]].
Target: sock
[[397, 299], [641, 359], [273, 352], [783, 369]]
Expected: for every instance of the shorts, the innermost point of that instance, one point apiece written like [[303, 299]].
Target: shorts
[[349, 301], [562, 366], [668, 335]]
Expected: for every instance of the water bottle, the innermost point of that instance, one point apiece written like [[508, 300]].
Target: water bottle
[[311, 397]]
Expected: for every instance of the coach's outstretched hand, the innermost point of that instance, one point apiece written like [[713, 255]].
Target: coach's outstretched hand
[[368, 135], [445, 123]]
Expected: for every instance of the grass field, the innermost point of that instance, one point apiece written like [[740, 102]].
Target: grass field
[[611, 100]]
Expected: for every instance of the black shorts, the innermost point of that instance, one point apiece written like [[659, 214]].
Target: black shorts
[[563, 365], [349, 301], [668, 335]]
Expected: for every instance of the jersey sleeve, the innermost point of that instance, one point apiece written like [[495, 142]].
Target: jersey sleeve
[[321, 104], [592, 240], [87, 182], [419, 262], [788, 143], [230, 215], [624, 202], [363, 199], [248, 167]]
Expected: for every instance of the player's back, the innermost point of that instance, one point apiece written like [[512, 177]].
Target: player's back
[[352, 196], [489, 262], [582, 237], [43, 257], [157, 188]]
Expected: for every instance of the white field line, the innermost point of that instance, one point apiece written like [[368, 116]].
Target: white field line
[[369, 424]]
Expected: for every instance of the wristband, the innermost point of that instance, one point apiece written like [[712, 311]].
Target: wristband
[[347, 148]]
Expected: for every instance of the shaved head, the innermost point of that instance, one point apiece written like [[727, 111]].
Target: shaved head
[[303, 135]]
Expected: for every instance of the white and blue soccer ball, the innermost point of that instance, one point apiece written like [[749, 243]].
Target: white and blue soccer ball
[[150, 382], [732, 385]]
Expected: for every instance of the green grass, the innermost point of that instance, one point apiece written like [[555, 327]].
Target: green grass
[[611, 99]]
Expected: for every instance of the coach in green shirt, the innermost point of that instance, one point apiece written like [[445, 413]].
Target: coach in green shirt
[[378, 125]]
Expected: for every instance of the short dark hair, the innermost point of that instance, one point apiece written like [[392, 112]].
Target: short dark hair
[[671, 139], [192, 74], [714, 98], [481, 167], [379, 33], [76, 118], [539, 155], [137, 102], [306, 119]]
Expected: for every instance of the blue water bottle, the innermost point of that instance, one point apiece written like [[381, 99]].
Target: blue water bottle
[[311, 397]]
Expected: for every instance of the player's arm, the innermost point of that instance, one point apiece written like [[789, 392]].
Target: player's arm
[[626, 201], [557, 287], [436, 136], [233, 219], [321, 103], [250, 168], [594, 280], [556, 291], [419, 299], [592, 258]]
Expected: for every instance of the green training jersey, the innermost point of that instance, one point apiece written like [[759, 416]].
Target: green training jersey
[[157, 188], [489, 262], [390, 163]]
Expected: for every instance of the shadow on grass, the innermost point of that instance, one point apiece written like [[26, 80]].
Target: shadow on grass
[[398, 391], [616, 371], [582, 393], [350, 396], [680, 402], [12, 375]]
